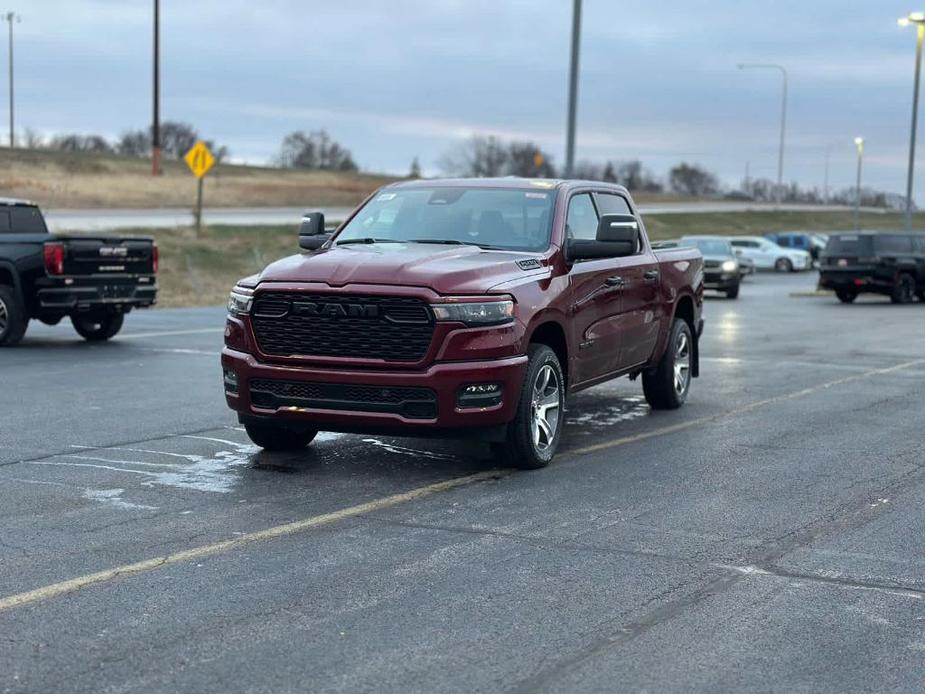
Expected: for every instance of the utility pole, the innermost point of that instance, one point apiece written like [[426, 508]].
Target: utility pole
[[156, 124], [859, 143], [10, 17], [825, 181], [783, 120], [573, 90], [918, 19]]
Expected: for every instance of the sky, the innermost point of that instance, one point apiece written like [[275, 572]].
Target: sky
[[395, 79]]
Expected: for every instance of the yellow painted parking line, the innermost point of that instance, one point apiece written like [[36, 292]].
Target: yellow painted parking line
[[294, 527], [268, 534], [169, 333]]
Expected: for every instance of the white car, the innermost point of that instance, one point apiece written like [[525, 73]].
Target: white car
[[767, 255]]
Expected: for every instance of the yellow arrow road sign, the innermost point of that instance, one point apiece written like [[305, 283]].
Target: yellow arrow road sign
[[199, 159]]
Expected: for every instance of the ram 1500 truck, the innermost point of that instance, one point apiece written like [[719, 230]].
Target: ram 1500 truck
[[463, 308], [95, 280]]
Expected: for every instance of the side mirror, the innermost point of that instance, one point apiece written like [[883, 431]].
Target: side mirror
[[618, 228], [312, 235]]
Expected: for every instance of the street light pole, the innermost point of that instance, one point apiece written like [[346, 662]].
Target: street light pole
[[573, 90], [10, 17], [917, 18], [859, 143], [156, 124], [825, 183], [783, 119]]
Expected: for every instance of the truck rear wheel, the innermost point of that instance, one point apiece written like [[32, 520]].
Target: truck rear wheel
[[904, 289], [13, 319], [99, 327], [533, 436], [667, 385], [273, 436]]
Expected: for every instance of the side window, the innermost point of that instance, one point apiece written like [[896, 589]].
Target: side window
[[893, 244], [581, 221], [609, 203], [27, 220], [4, 221]]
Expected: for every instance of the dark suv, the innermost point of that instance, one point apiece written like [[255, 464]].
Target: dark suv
[[881, 263]]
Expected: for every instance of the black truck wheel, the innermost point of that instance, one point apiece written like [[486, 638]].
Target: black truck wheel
[[667, 385], [274, 436], [13, 319], [904, 289], [534, 434], [99, 327], [846, 296]]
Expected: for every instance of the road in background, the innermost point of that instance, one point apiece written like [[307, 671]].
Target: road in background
[[103, 220], [768, 535]]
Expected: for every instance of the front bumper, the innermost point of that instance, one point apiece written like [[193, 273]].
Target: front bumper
[[327, 414], [721, 280]]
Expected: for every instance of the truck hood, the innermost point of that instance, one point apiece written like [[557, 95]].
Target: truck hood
[[444, 269]]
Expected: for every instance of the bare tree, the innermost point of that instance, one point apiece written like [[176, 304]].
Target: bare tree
[[477, 156], [690, 179], [415, 171], [315, 150], [74, 142], [528, 160]]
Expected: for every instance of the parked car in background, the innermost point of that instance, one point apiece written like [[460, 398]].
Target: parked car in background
[[746, 264], [720, 263], [811, 243], [881, 263], [93, 280], [767, 255]]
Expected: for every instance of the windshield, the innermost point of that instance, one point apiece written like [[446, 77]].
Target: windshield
[[493, 218], [849, 244], [709, 246]]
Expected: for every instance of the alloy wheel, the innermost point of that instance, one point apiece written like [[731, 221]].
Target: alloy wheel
[[4, 317], [682, 364], [544, 422]]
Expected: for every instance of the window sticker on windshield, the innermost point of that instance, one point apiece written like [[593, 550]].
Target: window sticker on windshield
[[536, 196], [385, 197], [542, 184]]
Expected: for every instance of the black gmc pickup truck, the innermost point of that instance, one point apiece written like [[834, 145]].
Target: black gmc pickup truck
[[95, 280]]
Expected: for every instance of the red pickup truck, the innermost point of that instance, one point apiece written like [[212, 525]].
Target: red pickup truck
[[464, 308]]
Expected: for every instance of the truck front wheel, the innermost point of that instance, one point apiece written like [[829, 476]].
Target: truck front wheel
[[533, 436], [13, 319], [667, 385], [278, 437], [97, 328]]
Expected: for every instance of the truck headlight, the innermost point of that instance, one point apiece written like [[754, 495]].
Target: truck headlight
[[239, 303], [730, 266], [475, 312]]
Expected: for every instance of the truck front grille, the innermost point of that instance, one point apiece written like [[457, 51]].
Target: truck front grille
[[410, 402], [366, 327]]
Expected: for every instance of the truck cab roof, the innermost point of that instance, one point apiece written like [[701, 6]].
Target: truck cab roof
[[16, 202]]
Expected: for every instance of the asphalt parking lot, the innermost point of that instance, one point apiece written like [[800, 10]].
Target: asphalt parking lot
[[768, 535]]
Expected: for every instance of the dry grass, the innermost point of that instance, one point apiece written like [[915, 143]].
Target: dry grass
[[63, 180]]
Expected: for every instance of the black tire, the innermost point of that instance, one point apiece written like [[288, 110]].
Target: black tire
[[98, 328], [921, 295], [783, 265], [665, 387], [733, 292], [274, 436], [904, 289], [529, 445], [13, 318], [846, 296]]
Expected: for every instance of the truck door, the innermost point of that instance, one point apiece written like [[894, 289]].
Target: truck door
[[596, 290], [640, 318]]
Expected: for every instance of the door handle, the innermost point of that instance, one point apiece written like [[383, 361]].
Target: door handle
[[651, 275], [615, 281]]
